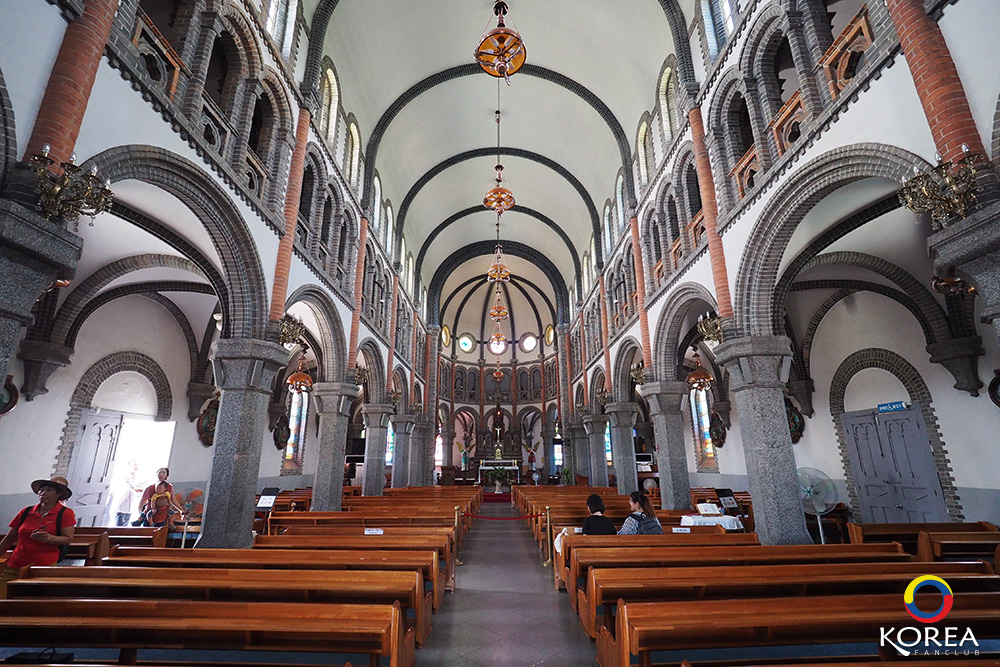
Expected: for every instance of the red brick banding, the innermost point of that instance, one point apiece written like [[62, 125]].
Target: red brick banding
[[605, 335], [72, 79], [359, 280], [583, 361], [283, 263], [942, 96], [640, 286], [391, 356], [710, 212]]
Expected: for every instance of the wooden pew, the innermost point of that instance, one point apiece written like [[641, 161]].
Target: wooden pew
[[907, 533], [425, 561], [129, 536], [375, 631], [440, 543], [933, 546], [606, 586], [232, 585], [646, 627], [613, 557], [279, 522], [561, 563]]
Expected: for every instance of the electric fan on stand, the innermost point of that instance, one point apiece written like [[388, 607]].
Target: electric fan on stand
[[819, 495]]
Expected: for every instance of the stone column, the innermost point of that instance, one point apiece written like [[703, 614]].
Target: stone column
[[244, 372], [334, 408], [549, 453], [35, 252], [578, 445], [447, 446], [758, 367], [403, 426], [623, 416], [419, 452], [376, 431], [666, 409], [595, 426]]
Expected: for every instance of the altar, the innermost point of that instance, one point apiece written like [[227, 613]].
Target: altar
[[510, 465]]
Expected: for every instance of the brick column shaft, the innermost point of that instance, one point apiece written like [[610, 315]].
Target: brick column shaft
[[583, 360], [605, 335], [359, 284], [413, 356], [710, 211], [391, 356], [640, 287], [72, 80], [283, 264], [942, 96]]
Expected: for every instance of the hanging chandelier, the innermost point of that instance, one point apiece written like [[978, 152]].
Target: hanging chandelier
[[498, 273], [501, 50], [299, 381], [498, 373], [498, 198], [699, 378], [498, 312]]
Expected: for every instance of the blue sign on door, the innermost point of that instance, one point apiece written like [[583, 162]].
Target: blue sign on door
[[891, 407]]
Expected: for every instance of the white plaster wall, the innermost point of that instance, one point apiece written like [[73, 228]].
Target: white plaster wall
[[128, 392]]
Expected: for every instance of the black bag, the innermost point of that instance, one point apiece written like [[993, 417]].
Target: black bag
[[648, 525], [43, 657], [63, 548]]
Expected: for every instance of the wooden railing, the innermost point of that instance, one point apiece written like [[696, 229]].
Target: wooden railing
[[152, 44], [676, 253], [846, 55], [256, 173], [659, 272], [745, 170], [787, 123], [696, 228]]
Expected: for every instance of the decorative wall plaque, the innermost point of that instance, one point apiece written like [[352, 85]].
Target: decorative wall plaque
[[206, 422], [8, 396]]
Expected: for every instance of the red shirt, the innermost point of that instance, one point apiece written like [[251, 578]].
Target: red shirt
[[30, 551]]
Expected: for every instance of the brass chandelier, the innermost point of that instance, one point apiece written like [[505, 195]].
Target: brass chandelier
[[72, 193], [946, 191], [501, 50]]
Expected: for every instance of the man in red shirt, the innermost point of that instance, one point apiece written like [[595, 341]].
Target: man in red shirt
[[37, 533]]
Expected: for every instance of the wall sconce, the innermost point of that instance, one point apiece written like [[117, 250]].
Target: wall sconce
[[946, 190], [360, 375], [638, 374], [601, 394], [292, 330], [72, 193], [394, 395], [951, 285]]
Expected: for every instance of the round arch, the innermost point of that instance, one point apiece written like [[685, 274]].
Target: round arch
[[331, 330], [629, 351], [372, 355], [670, 327]]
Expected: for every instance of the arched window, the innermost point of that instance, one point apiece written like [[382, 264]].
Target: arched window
[[586, 272], [327, 221], [354, 156], [331, 102], [607, 443], [260, 126], [342, 244], [644, 146], [620, 201], [306, 195], [608, 231], [720, 22], [693, 190], [668, 103], [390, 444], [299, 385], [280, 24], [388, 235], [219, 66], [376, 220]]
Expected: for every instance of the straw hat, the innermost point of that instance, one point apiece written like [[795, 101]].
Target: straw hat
[[57, 482]]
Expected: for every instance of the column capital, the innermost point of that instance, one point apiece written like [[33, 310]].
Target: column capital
[[247, 363], [330, 395], [664, 396], [595, 423], [376, 414], [623, 413], [756, 361], [403, 423]]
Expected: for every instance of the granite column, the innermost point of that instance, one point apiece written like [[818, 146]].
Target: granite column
[[403, 426], [376, 433], [596, 426], [334, 408], [622, 417], [666, 409]]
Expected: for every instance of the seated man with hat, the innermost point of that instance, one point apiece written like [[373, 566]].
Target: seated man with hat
[[37, 533]]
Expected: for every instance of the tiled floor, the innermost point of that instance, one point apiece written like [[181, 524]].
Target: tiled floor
[[505, 610]]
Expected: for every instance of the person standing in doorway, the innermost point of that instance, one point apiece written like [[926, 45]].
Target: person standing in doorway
[[37, 533], [129, 493]]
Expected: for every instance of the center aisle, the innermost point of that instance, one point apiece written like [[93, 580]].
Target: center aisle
[[505, 610]]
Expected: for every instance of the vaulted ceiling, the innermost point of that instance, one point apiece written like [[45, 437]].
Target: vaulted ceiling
[[426, 115]]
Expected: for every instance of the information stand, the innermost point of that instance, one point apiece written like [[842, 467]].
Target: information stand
[[728, 502]]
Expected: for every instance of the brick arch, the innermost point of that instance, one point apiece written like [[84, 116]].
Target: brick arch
[[628, 353], [670, 328], [761, 43], [400, 384], [237, 23], [918, 393], [333, 342], [757, 276], [68, 318], [598, 381], [245, 309], [92, 380], [8, 138], [375, 364]]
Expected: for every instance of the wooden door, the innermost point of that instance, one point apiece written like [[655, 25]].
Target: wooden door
[[894, 471], [90, 470]]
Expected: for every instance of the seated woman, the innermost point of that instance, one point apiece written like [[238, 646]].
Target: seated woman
[[161, 509], [597, 523], [642, 520]]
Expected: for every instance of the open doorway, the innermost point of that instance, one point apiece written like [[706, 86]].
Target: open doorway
[[116, 458]]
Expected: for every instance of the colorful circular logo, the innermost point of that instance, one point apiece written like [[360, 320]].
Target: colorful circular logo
[[934, 582]]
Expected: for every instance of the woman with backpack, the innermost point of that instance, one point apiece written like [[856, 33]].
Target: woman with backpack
[[642, 520], [37, 533]]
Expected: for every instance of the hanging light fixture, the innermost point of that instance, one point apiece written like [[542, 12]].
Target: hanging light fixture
[[501, 50], [699, 378], [498, 373], [498, 273], [498, 198], [498, 312], [299, 381]]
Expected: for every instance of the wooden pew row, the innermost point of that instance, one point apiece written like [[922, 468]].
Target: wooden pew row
[[562, 563], [908, 533], [373, 631], [280, 522], [606, 587], [128, 536], [646, 627], [233, 585], [695, 556], [442, 544], [933, 546], [425, 561]]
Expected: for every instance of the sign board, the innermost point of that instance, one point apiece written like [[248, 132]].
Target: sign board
[[892, 407], [374, 531], [267, 497], [726, 499], [680, 529], [578, 529]]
